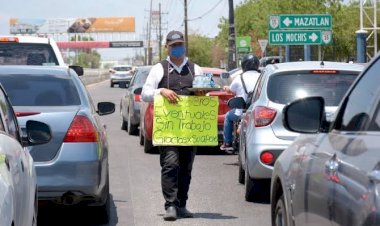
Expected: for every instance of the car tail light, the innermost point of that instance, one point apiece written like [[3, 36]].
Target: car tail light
[[9, 39], [81, 130], [22, 114], [263, 116], [267, 157], [137, 97]]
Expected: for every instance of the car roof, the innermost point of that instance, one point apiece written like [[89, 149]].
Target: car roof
[[33, 70], [314, 65]]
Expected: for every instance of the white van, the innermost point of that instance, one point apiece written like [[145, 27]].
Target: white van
[[29, 50]]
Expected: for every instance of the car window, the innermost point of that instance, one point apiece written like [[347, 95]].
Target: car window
[[41, 90], [122, 68], [361, 112], [27, 54], [10, 121], [259, 87], [285, 88]]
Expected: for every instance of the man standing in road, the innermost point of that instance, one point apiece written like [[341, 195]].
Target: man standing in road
[[171, 78]]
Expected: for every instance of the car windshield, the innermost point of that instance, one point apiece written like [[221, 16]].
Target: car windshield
[[27, 54], [285, 88], [122, 68], [41, 90]]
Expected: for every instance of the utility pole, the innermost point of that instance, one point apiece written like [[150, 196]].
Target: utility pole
[[231, 38], [185, 22], [146, 49], [159, 33], [149, 32]]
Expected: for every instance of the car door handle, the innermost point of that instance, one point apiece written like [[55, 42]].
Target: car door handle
[[332, 165], [374, 176]]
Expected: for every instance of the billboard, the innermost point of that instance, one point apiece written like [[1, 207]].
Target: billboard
[[72, 25]]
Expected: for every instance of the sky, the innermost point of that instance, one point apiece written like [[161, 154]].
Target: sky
[[203, 16]]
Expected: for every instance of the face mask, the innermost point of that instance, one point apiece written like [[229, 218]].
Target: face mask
[[178, 51]]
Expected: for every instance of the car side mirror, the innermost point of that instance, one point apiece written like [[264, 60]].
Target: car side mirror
[[37, 133], [138, 91], [236, 102], [225, 75], [77, 69], [305, 115], [106, 108]]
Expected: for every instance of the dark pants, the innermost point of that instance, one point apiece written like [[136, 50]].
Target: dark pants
[[176, 165]]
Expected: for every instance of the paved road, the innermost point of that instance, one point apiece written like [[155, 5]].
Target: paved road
[[215, 195]]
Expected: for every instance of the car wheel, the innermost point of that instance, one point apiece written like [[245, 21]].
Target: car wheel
[[256, 190], [35, 212], [281, 216], [248, 185], [241, 172], [141, 137], [124, 124], [148, 146], [132, 129]]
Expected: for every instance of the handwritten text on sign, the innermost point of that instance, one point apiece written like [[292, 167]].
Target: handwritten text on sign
[[191, 122]]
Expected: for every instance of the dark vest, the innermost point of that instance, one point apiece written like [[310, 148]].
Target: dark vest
[[178, 82]]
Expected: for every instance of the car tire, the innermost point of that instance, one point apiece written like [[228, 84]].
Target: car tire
[[103, 212], [141, 138], [124, 124], [148, 146], [35, 212], [241, 172], [256, 190], [280, 217], [248, 182], [132, 129]]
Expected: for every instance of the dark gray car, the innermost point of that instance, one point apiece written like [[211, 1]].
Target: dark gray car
[[130, 102], [72, 168], [330, 175]]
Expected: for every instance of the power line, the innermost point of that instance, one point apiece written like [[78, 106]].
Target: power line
[[200, 17]]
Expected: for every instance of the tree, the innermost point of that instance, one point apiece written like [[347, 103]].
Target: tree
[[86, 58], [200, 49]]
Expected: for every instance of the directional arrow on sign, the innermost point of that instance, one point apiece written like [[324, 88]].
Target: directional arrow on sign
[[287, 21], [313, 37]]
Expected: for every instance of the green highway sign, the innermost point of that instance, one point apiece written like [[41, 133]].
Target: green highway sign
[[243, 44], [299, 37], [300, 21]]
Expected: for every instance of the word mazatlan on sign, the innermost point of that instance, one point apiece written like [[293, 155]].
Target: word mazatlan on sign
[[312, 21]]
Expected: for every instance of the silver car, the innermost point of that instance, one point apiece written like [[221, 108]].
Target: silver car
[[18, 183], [330, 175], [121, 75], [73, 167], [130, 102], [263, 136]]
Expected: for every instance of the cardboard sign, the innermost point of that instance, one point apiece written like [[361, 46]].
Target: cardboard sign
[[193, 121]]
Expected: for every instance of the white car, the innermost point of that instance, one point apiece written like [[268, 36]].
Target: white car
[[18, 188], [29, 50], [121, 75]]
